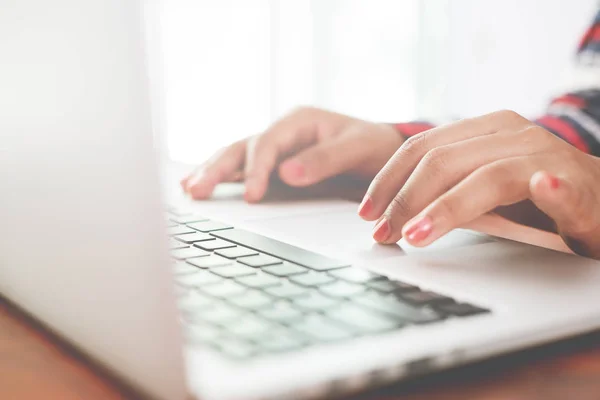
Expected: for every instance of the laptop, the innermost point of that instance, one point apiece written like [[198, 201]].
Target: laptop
[[220, 299]]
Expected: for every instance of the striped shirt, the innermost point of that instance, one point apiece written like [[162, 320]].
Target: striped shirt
[[574, 116]]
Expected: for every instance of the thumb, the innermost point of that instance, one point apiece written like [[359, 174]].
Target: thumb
[[572, 209], [324, 160]]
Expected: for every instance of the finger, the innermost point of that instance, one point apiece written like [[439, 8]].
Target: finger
[[572, 208], [220, 168], [212, 160], [444, 167], [264, 152], [327, 159], [398, 169], [236, 176], [500, 183]]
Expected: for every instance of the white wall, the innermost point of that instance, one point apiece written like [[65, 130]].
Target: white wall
[[512, 54]]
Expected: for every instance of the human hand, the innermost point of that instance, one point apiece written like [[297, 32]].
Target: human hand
[[305, 147], [447, 177]]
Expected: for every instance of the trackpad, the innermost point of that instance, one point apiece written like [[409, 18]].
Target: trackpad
[[344, 235]]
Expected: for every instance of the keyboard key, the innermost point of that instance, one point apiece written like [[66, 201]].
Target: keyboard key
[[252, 300], [249, 326], [179, 230], [425, 298], [235, 252], [178, 212], [285, 269], [202, 333], [176, 244], [194, 302], [287, 290], [461, 309], [322, 329], [220, 314], [196, 280], [363, 319], [341, 289], [356, 275], [186, 219], [224, 289], [388, 286], [391, 305], [182, 268], [236, 348], [214, 244], [282, 312], [190, 238], [209, 226], [279, 249], [312, 279], [210, 261], [189, 252], [181, 292], [280, 341], [315, 301], [259, 281], [233, 271], [261, 260]]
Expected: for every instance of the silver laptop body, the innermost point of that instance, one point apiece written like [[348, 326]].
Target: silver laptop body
[[84, 249]]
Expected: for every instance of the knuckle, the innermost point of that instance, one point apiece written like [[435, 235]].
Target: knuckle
[[414, 145], [400, 207], [501, 174], [499, 171], [436, 160], [534, 134], [510, 116]]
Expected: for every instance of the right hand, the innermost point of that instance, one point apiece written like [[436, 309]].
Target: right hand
[[305, 147]]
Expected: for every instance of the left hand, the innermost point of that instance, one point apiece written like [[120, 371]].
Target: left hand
[[447, 177]]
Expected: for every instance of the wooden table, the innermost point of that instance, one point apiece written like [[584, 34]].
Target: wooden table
[[34, 366]]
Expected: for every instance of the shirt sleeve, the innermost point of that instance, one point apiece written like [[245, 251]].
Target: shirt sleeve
[[575, 116]]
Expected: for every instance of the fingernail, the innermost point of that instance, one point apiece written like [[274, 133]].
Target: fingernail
[[553, 181], [382, 230], [365, 206], [418, 229], [293, 168]]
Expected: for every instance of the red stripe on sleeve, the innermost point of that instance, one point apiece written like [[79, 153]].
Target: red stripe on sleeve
[[570, 100], [565, 130], [591, 35], [412, 128], [595, 35]]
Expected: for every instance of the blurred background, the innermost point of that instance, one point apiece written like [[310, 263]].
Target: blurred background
[[226, 69]]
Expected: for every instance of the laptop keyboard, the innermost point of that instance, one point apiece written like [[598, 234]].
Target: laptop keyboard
[[245, 294]]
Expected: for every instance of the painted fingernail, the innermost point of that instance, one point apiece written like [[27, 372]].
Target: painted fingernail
[[365, 206], [418, 229], [293, 169], [553, 181], [382, 230]]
